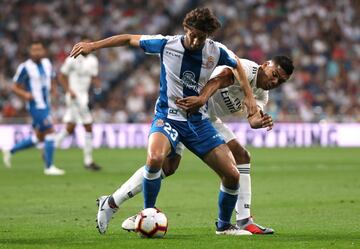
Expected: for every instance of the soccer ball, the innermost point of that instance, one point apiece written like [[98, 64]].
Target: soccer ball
[[151, 223]]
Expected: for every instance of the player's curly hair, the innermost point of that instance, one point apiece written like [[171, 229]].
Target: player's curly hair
[[202, 19]]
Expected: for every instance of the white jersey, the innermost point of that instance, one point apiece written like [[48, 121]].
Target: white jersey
[[36, 79], [80, 71], [229, 100], [183, 72]]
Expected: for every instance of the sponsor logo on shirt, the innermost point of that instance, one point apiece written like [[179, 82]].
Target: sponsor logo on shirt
[[188, 79], [171, 53], [173, 111]]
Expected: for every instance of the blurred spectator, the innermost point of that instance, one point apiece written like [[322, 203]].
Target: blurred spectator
[[322, 37]]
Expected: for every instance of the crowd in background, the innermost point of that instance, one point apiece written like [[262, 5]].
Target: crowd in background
[[322, 38]]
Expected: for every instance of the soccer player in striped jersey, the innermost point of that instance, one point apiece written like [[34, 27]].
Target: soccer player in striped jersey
[[187, 62], [224, 102], [32, 82]]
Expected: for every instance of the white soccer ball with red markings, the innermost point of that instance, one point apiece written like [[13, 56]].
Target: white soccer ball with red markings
[[151, 223]]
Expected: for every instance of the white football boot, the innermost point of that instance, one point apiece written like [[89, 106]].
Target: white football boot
[[54, 171], [129, 224], [7, 158], [105, 213], [231, 230]]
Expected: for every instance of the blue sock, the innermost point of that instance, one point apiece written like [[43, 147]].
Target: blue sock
[[227, 200], [151, 186], [49, 148], [23, 144]]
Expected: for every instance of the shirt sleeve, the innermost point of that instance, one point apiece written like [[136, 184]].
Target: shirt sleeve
[[21, 76], [153, 44], [227, 57], [66, 67]]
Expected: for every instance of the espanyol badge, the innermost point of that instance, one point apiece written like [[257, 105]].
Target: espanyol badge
[[210, 62], [159, 123]]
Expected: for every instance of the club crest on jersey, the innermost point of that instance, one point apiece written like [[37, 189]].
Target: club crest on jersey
[[159, 123], [188, 79], [210, 62]]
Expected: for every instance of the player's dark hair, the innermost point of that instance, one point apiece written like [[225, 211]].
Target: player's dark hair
[[202, 19], [37, 42], [285, 63]]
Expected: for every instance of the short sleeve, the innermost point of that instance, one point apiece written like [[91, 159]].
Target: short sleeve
[[153, 44], [66, 67], [21, 76], [227, 57]]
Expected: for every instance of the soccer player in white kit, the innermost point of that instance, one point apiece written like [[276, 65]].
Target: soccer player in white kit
[[76, 76], [224, 102], [187, 62]]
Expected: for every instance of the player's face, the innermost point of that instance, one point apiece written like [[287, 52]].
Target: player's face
[[274, 76], [194, 39], [37, 52]]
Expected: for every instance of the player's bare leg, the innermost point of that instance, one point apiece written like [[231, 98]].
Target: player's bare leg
[[133, 186], [222, 162], [158, 149], [243, 204]]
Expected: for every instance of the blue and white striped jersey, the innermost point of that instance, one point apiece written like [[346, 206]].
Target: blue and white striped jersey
[[36, 79], [184, 72]]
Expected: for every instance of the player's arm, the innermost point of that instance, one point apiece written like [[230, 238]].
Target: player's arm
[[261, 120], [113, 41], [192, 103], [21, 92], [53, 90], [249, 100], [64, 82], [95, 80]]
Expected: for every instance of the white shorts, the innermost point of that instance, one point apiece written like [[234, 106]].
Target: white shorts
[[221, 127], [77, 112]]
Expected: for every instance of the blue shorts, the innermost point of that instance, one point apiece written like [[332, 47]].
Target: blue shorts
[[200, 137], [41, 119]]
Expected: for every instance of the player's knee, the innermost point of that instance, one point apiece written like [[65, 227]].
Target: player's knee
[[156, 159]]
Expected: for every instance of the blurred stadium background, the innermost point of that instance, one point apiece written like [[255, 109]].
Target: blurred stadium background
[[322, 37], [309, 195]]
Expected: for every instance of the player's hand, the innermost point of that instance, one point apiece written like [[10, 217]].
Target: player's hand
[[72, 94], [251, 105], [267, 121], [190, 104], [261, 120], [28, 96], [83, 48]]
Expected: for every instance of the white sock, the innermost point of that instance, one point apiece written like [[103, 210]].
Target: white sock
[[244, 198], [59, 138], [88, 148], [131, 187]]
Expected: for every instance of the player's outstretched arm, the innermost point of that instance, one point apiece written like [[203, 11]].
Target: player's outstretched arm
[[191, 104], [249, 100], [113, 41]]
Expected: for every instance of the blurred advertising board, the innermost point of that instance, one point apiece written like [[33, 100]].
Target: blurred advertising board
[[136, 135]]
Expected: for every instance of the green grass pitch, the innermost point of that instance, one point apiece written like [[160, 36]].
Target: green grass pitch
[[311, 197]]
